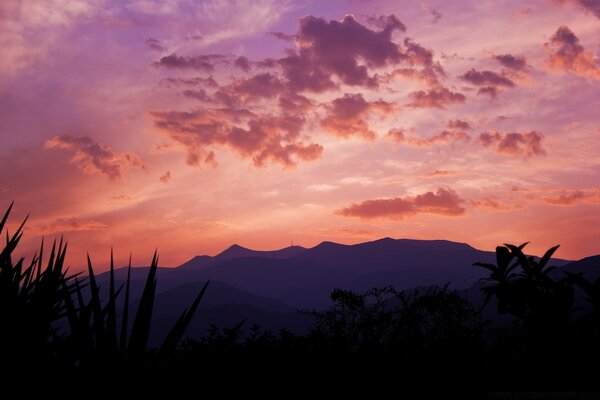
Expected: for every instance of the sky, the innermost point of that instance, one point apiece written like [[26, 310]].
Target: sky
[[188, 125]]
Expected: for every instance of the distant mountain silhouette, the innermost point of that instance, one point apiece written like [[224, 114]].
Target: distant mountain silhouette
[[304, 280], [237, 251], [589, 267], [269, 285]]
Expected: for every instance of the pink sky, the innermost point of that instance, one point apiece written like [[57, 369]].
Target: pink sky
[[189, 125]]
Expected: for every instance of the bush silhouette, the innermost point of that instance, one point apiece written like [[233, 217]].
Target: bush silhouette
[[35, 297]]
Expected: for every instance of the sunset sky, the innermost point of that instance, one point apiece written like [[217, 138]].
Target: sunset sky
[[189, 125]]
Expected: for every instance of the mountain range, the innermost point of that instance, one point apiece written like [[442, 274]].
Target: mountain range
[[267, 287]]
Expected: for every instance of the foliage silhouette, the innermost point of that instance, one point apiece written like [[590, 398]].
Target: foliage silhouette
[[35, 299]]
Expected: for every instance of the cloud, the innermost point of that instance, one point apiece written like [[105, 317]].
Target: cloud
[[524, 144], [199, 94], [441, 172], [566, 54], [486, 78], [491, 91], [490, 81], [196, 81], [458, 124], [513, 62], [73, 224], [444, 137], [592, 6], [444, 202], [155, 45], [435, 14], [92, 158], [242, 63], [282, 36], [346, 116], [435, 98], [204, 63], [262, 138], [566, 198], [319, 55], [166, 177]]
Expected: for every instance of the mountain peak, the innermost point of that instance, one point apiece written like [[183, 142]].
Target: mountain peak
[[235, 250]]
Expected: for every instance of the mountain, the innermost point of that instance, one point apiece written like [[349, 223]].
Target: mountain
[[589, 267], [303, 278], [237, 251], [270, 285]]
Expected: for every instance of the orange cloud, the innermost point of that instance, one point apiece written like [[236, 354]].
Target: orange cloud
[[92, 158], [525, 144], [566, 54], [443, 202], [444, 137], [435, 98], [347, 116], [274, 138]]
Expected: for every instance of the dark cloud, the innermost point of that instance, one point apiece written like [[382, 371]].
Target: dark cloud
[[92, 157], [490, 91], [319, 52], [282, 36], [347, 116], [197, 94], [199, 62], [443, 202], [197, 81], [155, 45], [490, 82], [435, 98], [512, 62], [517, 144], [458, 124], [486, 78], [242, 63], [566, 54]]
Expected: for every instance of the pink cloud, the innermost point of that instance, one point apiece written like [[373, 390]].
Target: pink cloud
[[486, 78], [525, 144], [458, 124], [346, 116], [155, 45], [435, 98], [435, 14], [444, 137], [166, 177], [91, 157], [566, 54], [63, 225], [264, 138], [568, 197], [242, 63], [441, 172], [513, 62], [592, 6], [490, 82], [319, 53], [443, 202], [199, 62]]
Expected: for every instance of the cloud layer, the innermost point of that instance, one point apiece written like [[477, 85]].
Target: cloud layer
[[442, 202]]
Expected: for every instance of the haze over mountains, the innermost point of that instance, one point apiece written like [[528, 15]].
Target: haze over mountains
[[268, 287]]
